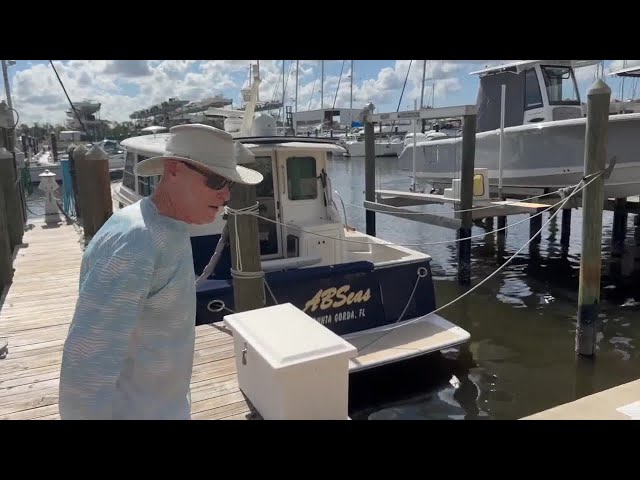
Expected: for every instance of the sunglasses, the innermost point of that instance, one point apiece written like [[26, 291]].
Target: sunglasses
[[214, 181]]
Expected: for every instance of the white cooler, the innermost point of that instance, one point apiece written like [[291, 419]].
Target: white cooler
[[289, 365]]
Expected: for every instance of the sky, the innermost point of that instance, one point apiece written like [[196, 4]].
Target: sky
[[124, 86]]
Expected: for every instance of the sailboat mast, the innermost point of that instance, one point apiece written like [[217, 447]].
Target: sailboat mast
[[351, 100], [297, 66], [322, 95], [424, 73]]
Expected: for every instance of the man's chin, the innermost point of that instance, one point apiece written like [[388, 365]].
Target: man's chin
[[205, 221]]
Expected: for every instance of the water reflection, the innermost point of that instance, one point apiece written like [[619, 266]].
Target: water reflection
[[522, 322]]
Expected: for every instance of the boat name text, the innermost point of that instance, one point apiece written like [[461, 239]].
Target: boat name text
[[336, 298]]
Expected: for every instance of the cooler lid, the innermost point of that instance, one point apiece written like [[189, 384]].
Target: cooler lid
[[284, 335]]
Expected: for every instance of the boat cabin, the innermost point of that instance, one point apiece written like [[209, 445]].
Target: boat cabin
[[296, 191], [536, 91]]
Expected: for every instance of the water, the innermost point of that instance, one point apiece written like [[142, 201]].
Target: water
[[520, 359]]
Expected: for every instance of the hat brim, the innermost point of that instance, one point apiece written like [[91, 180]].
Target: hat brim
[[155, 166]]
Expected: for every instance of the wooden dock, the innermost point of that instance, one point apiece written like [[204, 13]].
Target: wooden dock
[[36, 310], [617, 403], [35, 313]]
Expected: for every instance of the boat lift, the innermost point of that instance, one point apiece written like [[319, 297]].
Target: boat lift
[[391, 201]]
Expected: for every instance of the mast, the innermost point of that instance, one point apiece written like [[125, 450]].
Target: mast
[[297, 65], [424, 73], [351, 99]]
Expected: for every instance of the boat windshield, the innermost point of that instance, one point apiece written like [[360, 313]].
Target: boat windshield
[[561, 85]]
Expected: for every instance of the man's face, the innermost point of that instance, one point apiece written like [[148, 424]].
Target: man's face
[[194, 200]]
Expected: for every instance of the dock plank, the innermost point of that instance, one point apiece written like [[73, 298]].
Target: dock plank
[[606, 405]]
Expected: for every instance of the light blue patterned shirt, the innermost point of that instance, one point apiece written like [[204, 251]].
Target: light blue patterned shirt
[[129, 350]]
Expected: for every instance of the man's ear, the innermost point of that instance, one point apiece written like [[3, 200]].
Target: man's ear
[[171, 167]]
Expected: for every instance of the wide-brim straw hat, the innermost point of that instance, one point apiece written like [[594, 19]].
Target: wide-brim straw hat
[[206, 147]]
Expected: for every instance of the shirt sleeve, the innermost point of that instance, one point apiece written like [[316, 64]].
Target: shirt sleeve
[[112, 295]]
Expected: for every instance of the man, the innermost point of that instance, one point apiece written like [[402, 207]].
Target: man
[[129, 350]]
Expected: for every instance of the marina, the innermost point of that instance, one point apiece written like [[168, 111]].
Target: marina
[[448, 316]]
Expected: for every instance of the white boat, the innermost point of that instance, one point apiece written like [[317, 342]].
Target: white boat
[[631, 105], [335, 274], [384, 147], [115, 152], [41, 162], [544, 133], [44, 161]]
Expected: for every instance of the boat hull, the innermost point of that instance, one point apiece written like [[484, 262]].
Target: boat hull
[[346, 298], [383, 149], [545, 155]]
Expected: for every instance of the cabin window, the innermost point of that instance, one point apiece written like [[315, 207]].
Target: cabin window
[[561, 85], [302, 181], [264, 166], [265, 195], [128, 178], [532, 93], [144, 183], [153, 183]]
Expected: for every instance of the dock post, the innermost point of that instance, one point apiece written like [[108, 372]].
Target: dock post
[[565, 234], [248, 292], [53, 142], [466, 198], [488, 224], [80, 181], [12, 201], [535, 224], [6, 253], [98, 194], [369, 176], [595, 153], [502, 223], [619, 231]]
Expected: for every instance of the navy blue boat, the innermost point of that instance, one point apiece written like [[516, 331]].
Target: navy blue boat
[[352, 283]]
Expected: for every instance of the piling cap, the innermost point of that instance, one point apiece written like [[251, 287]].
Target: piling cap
[[47, 173], [79, 151], [599, 88], [96, 153]]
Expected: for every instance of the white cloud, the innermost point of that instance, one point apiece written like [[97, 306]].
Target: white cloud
[[124, 86]]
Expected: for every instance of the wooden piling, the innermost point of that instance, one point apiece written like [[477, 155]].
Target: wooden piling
[[619, 230], [502, 223], [466, 198], [565, 234], [97, 182], [592, 206], [369, 176], [12, 201], [535, 224], [248, 293], [488, 224], [79, 179], [53, 142], [73, 172], [6, 253]]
